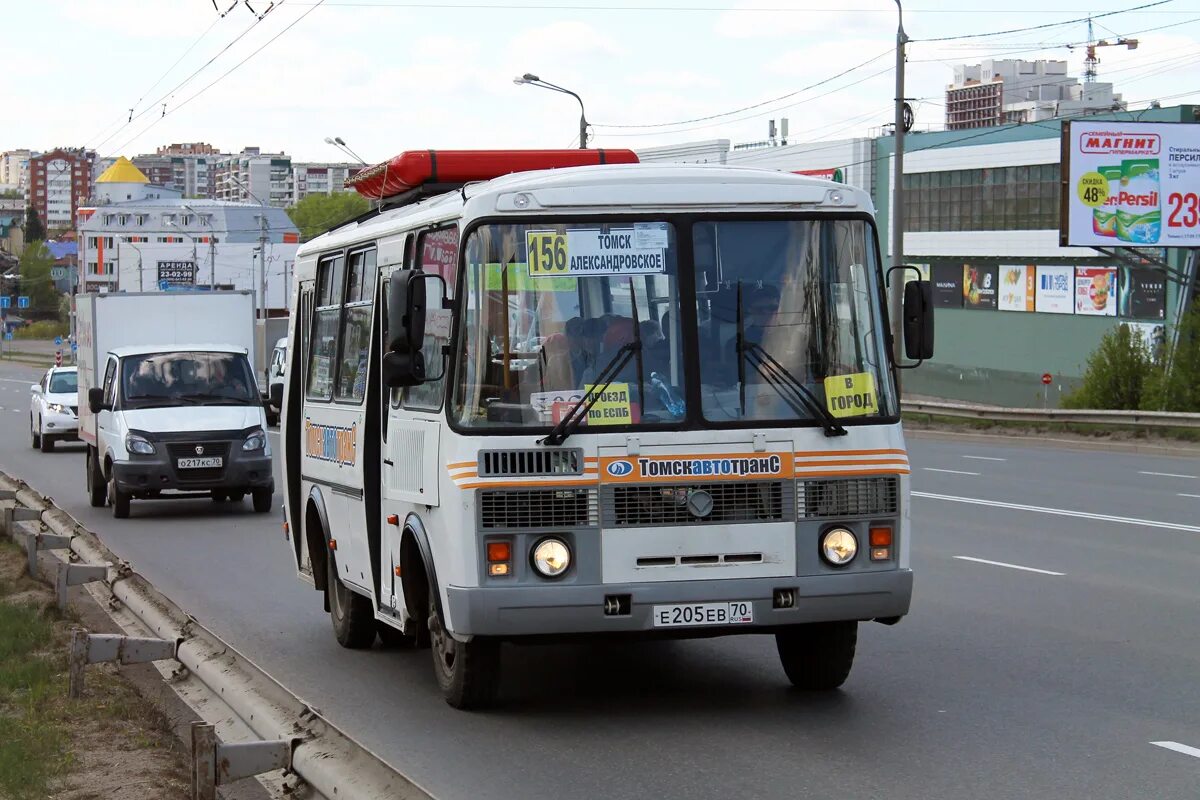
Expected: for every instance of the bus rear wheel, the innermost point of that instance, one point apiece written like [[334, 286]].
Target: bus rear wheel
[[467, 672], [352, 615], [818, 656]]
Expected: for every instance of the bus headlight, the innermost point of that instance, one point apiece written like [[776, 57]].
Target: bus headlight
[[838, 546], [551, 557]]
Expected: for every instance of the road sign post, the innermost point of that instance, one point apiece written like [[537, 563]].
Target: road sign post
[[1047, 379]]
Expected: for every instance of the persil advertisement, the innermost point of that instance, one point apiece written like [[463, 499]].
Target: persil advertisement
[[1131, 184]]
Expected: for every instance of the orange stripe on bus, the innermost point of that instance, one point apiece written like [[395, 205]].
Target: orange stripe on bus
[[852, 472], [460, 464], [852, 462], [839, 453], [516, 485]]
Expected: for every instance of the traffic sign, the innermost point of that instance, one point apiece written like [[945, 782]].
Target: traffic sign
[[22, 302], [58, 273], [74, 346], [5, 302], [58, 341], [8, 336], [1047, 378]]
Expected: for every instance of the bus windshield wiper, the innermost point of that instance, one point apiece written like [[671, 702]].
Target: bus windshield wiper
[[785, 384], [575, 417]]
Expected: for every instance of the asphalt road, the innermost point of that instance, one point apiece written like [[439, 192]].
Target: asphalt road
[[1002, 682]]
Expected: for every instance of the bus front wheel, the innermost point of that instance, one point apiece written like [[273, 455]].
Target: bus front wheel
[[818, 656], [353, 618], [467, 672]]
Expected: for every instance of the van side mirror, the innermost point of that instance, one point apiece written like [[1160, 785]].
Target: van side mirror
[[404, 363], [96, 400], [275, 395], [918, 320]]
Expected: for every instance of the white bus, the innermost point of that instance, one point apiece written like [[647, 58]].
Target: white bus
[[605, 400]]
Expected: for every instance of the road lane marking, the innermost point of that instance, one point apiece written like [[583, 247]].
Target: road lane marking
[[1062, 512], [986, 458], [1185, 494], [1179, 748], [1010, 566], [1166, 474], [951, 471]]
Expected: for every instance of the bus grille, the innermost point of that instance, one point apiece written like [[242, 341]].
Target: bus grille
[[750, 501], [509, 463], [518, 509], [847, 497]]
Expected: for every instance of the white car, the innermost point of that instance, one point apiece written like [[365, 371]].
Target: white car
[[54, 408]]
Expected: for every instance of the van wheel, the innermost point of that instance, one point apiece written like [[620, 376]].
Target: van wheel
[[393, 638], [219, 497], [352, 615], [96, 487], [818, 656], [467, 672], [236, 497], [120, 500], [262, 500]]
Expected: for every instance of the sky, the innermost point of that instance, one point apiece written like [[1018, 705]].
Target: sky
[[394, 75]]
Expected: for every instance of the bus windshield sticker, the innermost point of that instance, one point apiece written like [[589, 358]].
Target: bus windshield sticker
[[851, 395], [614, 406], [594, 252], [650, 235], [542, 402]]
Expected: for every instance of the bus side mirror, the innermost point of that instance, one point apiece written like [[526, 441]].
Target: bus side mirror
[[275, 395], [403, 369], [96, 400], [406, 310], [918, 320]]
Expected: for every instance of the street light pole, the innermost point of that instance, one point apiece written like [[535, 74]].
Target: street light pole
[[534, 80], [340, 144], [896, 289], [212, 249]]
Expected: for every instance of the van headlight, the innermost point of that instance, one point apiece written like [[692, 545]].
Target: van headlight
[[139, 444], [838, 546], [551, 557], [255, 441]]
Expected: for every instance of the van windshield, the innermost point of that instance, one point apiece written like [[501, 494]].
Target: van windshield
[[187, 378]]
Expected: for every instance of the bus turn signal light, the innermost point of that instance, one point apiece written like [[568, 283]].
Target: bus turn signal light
[[393, 519], [498, 552], [497, 570], [881, 537]]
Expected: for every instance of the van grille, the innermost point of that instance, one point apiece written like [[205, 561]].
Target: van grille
[[509, 509], [509, 463], [847, 497], [750, 501]]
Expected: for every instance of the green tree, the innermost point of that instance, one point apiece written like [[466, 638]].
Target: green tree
[[1116, 375], [1179, 389], [36, 283], [35, 231], [318, 213]]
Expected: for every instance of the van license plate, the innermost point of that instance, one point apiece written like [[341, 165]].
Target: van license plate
[[739, 612], [201, 463]]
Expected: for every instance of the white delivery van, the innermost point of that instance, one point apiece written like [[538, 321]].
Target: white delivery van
[[168, 398], [275, 377]]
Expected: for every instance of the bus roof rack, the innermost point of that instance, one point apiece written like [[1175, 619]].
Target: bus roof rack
[[416, 174]]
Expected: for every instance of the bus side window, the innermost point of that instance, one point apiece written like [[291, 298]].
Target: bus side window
[[323, 344], [436, 254], [355, 339]]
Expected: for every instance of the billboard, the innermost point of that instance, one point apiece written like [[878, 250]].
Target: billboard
[[176, 273], [1130, 184], [1055, 290], [979, 286], [1142, 294], [1096, 291], [947, 286], [1018, 286]]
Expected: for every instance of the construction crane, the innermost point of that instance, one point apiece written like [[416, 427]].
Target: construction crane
[[1090, 61]]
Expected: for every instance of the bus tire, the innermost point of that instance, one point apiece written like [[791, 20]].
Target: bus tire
[[817, 656], [97, 488], [468, 673], [352, 615]]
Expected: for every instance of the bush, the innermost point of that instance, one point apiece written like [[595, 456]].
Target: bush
[[1116, 375], [1178, 390], [44, 329]]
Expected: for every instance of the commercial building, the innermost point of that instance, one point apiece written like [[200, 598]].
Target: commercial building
[[321, 179], [60, 182], [1001, 91], [254, 176]]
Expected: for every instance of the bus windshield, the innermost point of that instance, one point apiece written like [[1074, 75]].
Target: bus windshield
[[550, 311]]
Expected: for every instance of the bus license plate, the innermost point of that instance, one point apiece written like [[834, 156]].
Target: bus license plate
[[740, 612], [200, 463]]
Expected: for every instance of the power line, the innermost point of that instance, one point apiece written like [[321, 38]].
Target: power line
[[227, 73], [1046, 25], [690, 9], [755, 105]]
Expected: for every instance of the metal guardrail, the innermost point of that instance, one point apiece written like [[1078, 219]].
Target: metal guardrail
[[330, 763], [1157, 419]]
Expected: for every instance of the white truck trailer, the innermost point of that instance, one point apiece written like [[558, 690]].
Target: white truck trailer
[[168, 399]]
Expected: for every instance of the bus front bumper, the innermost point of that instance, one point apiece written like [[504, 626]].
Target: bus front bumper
[[564, 609]]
